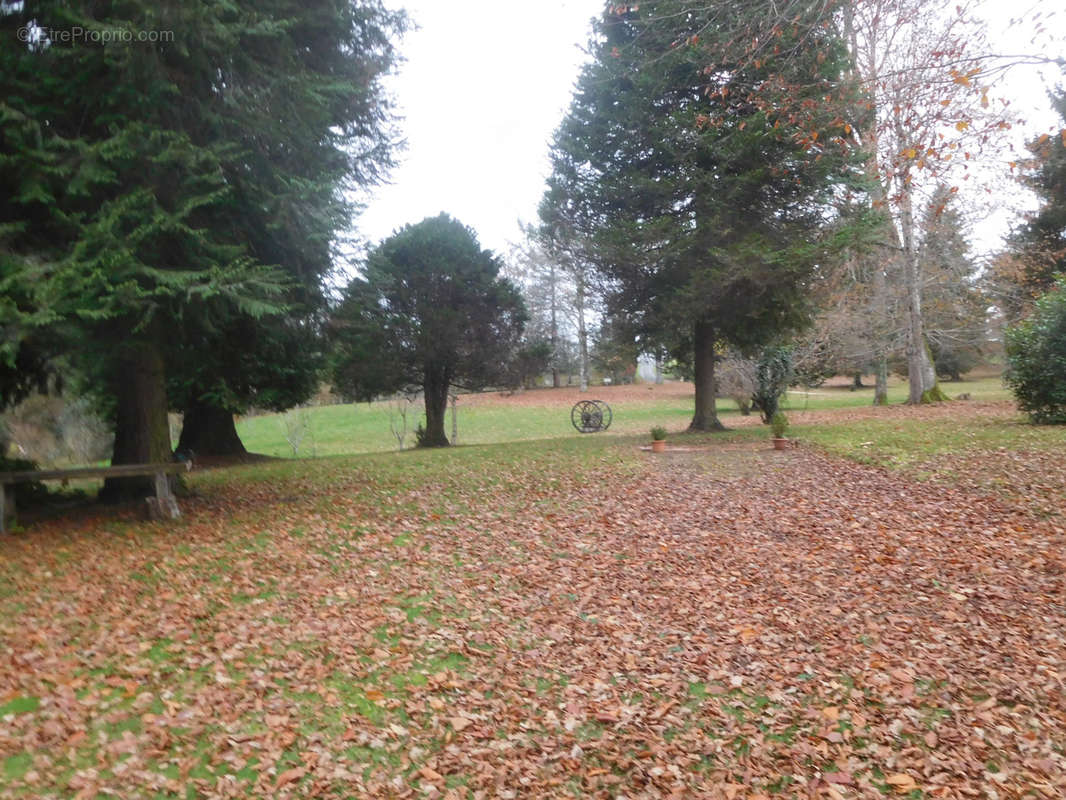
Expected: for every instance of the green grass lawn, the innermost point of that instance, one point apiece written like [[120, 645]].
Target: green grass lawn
[[364, 428], [954, 442]]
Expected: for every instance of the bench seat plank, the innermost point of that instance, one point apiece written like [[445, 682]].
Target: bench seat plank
[[162, 506], [121, 471]]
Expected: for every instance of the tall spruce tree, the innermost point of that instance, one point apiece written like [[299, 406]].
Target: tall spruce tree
[[173, 193], [1040, 242], [954, 307], [699, 203]]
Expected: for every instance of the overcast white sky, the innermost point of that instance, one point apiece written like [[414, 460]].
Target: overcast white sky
[[485, 84]]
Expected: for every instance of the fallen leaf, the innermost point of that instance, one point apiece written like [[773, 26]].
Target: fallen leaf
[[291, 775]]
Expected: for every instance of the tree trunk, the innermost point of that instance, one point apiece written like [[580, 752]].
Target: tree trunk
[[932, 393], [554, 328], [921, 376], [921, 371], [705, 417], [582, 332], [208, 430], [435, 390], [915, 340], [879, 330], [455, 419], [142, 432], [881, 382]]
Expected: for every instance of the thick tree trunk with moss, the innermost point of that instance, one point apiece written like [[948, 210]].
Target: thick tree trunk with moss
[[435, 391], [932, 393], [208, 430], [921, 374], [142, 432], [705, 416], [921, 371]]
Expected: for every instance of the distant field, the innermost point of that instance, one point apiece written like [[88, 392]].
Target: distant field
[[545, 414]]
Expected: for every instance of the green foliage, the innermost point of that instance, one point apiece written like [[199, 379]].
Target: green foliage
[[773, 374], [615, 350], [187, 196], [1040, 243], [431, 305], [1036, 355], [529, 362], [696, 195], [952, 361], [658, 433], [431, 312], [954, 308], [779, 424]]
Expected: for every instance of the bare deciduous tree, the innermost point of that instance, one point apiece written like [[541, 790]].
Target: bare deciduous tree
[[399, 407]]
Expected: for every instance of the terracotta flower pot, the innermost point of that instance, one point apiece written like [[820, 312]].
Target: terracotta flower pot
[[658, 445], [780, 444]]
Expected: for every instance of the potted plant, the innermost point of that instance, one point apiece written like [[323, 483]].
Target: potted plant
[[658, 439], [778, 426]]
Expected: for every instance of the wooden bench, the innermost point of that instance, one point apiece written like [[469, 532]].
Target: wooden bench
[[163, 506]]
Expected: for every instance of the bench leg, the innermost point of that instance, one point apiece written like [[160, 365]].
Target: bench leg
[[164, 505], [7, 507]]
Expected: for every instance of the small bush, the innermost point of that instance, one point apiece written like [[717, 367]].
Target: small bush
[[1036, 358], [773, 374], [658, 433], [779, 424]]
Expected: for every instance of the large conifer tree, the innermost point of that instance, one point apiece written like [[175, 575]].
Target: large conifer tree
[[168, 193], [697, 174], [1041, 241], [430, 313]]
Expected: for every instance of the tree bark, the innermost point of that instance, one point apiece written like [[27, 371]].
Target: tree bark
[[455, 419], [932, 393], [554, 327], [435, 391], [881, 382], [142, 432], [705, 417], [915, 337], [582, 331], [208, 430], [921, 376]]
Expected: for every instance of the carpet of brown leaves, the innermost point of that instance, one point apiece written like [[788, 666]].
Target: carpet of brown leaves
[[729, 623]]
